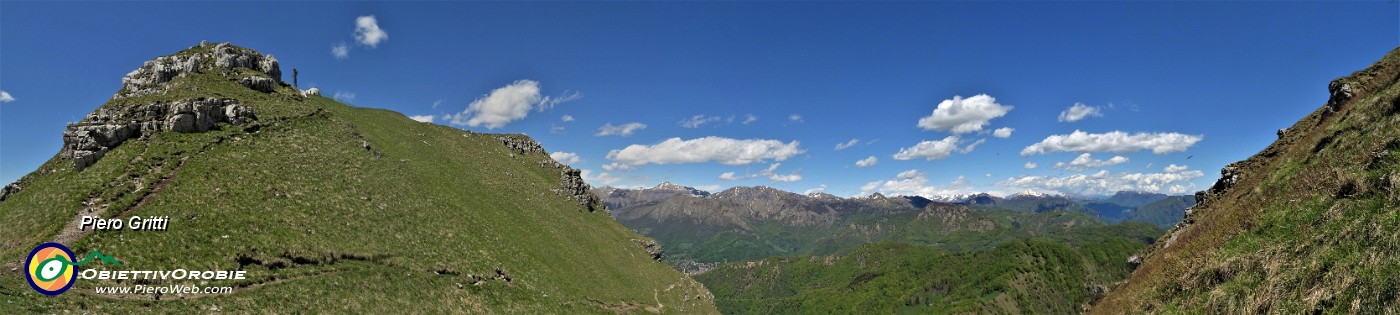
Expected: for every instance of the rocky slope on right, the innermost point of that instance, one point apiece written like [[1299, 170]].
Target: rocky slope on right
[[1308, 225]]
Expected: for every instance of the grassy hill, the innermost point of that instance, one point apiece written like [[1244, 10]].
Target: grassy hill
[[1051, 275], [1305, 226], [331, 207]]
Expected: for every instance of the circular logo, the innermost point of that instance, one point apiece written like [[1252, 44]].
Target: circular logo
[[50, 269]]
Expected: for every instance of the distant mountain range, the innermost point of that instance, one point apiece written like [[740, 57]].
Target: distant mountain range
[[747, 223]]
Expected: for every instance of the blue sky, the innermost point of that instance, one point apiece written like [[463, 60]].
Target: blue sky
[[1171, 91]]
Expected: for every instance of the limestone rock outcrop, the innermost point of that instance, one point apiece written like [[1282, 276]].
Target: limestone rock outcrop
[[152, 75], [571, 180], [260, 84], [87, 141], [520, 144]]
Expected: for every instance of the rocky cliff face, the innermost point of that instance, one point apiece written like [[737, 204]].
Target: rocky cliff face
[[86, 141]]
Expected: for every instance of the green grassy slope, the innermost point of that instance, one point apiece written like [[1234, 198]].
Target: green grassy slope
[[1307, 227], [1051, 275], [322, 223]]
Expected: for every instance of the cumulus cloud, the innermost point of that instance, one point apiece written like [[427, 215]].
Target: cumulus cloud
[[1003, 132], [368, 33], [708, 149], [929, 150], [422, 118], [506, 104], [959, 115], [847, 144], [1031, 165], [770, 173], [709, 187], [1079, 111], [749, 119], [915, 183], [1104, 182], [1173, 168], [5, 97], [618, 167], [1114, 141], [818, 189], [698, 120], [1086, 161], [343, 96], [340, 51], [550, 101], [565, 157], [970, 147], [624, 130], [603, 179], [867, 162], [567, 118]]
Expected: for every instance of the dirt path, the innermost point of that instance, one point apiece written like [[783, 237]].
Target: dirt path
[[70, 232]]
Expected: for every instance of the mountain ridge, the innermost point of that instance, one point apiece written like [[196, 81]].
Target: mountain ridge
[[1295, 227]]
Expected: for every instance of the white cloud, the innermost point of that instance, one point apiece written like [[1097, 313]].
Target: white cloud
[[820, 188], [436, 103], [506, 104], [1173, 168], [340, 51], [603, 179], [708, 149], [368, 33], [422, 118], [847, 144], [709, 188], [970, 147], [795, 118], [929, 150], [959, 115], [567, 118], [1031, 165], [867, 162], [749, 119], [915, 183], [551, 101], [1079, 111], [565, 157], [1114, 141], [618, 167], [5, 97], [785, 178], [343, 96], [1086, 161], [770, 172], [1104, 182], [624, 130], [698, 120], [1003, 132]]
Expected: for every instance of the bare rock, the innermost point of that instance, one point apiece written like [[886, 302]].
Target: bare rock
[[8, 191], [260, 84], [87, 141], [520, 144], [651, 247]]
